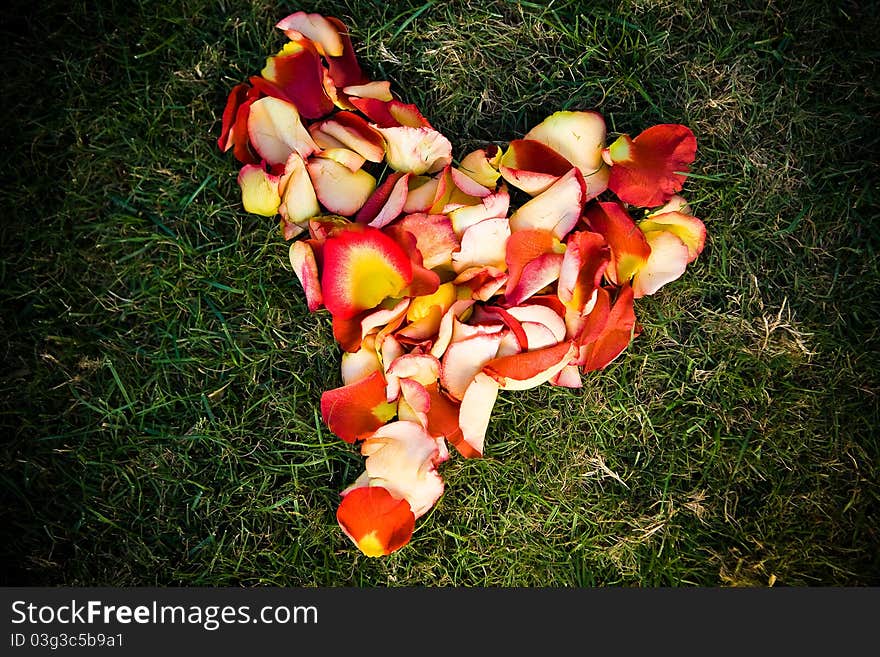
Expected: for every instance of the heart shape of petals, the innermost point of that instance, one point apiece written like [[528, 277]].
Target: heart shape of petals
[[443, 292]]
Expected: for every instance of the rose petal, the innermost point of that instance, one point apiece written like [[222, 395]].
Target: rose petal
[[361, 269], [579, 137], [629, 249], [556, 209], [355, 410], [649, 169], [377, 522]]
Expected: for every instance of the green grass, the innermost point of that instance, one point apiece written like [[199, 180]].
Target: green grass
[[162, 375]]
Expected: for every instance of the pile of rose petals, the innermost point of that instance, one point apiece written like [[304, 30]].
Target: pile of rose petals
[[441, 292]]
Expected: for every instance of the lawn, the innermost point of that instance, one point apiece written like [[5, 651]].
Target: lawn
[[162, 374]]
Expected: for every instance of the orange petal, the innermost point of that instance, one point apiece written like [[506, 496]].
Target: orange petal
[[443, 415], [361, 269], [390, 113], [579, 137], [586, 257], [525, 246], [353, 411], [616, 333], [530, 369], [649, 169], [531, 166], [629, 249], [535, 276], [556, 209], [241, 96], [375, 521]]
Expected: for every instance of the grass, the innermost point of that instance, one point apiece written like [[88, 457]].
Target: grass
[[162, 374]]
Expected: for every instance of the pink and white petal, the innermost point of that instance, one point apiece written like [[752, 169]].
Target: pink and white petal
[[463, 330], [540, 314], [298, 202], [490, 207], [463, 360], [402, 457], [579, 137], [556, 209], [475, 412], [422, 368], [416, 150], [276, 130], [314, 27], [538, 336], [676, 203], [386, 202], [444, 333], [483, 244], [568, 377], [362, 363], [468, 185], [345, 156], [340, 190], [435, 239], [414, 402], [378, 90], [667, 262], [302, 260], [422, 193], [354, 133], [483, 283]]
